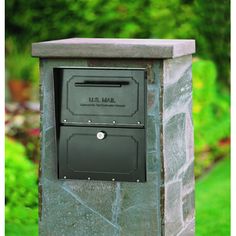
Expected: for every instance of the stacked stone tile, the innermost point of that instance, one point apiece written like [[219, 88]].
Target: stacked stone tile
[[178, 158]]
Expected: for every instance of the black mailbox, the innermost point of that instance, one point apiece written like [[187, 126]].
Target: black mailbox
[[101, 121]]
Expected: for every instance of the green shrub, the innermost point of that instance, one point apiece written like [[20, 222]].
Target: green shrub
[[212, 27], [210, 107], [206, 21], [21, 190], [21, 66], [211, 115]]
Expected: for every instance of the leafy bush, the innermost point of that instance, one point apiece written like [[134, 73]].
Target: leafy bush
[[21, 66], [211, 115], [206, 21], [212, 26], [21, 186]]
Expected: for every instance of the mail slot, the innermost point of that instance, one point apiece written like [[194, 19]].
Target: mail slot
[[103, 96], [101, 123]]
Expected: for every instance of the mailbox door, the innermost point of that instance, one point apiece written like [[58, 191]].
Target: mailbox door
[[119, 155], [102, 96]]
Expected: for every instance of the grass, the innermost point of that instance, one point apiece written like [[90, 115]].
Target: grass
[[213, 201], [212, 205]]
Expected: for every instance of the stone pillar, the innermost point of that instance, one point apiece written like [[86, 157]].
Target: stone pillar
[[177, 147], [164, 205]]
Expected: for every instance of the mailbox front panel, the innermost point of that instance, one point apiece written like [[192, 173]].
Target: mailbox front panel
[[101, 123], [118, 155], [101, 96]]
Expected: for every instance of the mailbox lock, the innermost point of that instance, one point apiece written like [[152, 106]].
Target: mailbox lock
[[101, 135]]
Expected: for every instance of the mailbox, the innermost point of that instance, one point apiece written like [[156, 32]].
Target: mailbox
[[101, 123], [116, 110]]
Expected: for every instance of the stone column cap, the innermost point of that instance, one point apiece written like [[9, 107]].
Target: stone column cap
[[113, 48]]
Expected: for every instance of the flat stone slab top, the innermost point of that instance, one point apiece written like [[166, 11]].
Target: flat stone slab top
[[113, 48]]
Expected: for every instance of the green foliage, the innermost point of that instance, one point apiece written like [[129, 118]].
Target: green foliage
[[213, 201], [19, 230], [210, 108], [206, 21], [212, 24], [93, 18], [20, 66], [98, 18], [211, 115], [171, 19], [21, 186]]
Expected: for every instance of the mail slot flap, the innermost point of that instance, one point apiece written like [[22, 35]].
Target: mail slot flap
[[102, 153], [99, 96]]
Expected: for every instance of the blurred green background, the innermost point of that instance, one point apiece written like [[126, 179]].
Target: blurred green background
[[208, 22]]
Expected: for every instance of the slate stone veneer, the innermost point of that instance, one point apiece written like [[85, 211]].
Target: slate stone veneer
[[162, 206]]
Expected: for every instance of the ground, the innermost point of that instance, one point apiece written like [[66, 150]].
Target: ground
[[213, 201]]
